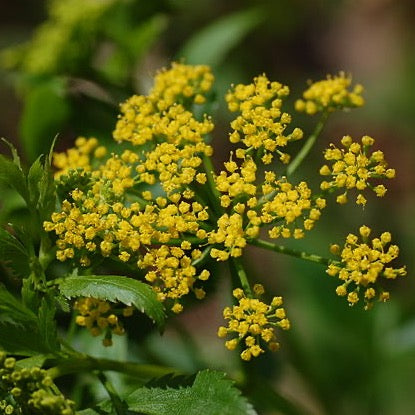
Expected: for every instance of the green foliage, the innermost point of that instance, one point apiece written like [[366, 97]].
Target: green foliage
[[211, 393], [22, 332], [11, 175], [46, 109], [212, 43], [115, 288], [13, 254]]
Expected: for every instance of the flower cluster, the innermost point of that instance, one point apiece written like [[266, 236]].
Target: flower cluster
[[353, 166], [254, 323], [79, 157], [329, 95], [159, 207], [29, 391], [101, 316], [262, 123], [363, 264]]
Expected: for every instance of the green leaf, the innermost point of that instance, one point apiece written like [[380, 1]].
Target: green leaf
[[29, 362], [211, 394], [90, 411], [45, 111], [13, 254], [19, 332], [115, 288], [21, 340], [11, 175], [12, 311], [211, 44], [34, 178], [47, 323]]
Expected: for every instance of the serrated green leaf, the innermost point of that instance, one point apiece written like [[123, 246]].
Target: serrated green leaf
[[30, 296], [212, 43], [29, 362], [34, 178], [47, 324], [12, 311], [13, 254], [211, 394], [15, 154], [115, 288], [19, 332], [45, 111], [22, 340], [12, 176]]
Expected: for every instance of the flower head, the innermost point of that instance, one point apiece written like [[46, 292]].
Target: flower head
[[330, 94], [355, 167], [362, 266], [254, 323]]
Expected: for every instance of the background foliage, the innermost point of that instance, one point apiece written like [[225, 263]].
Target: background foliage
[[67, 77]]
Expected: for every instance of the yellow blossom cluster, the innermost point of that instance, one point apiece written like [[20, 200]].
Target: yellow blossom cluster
[[362, 265], [290, 209], [330, 94], [285, 208], [79, 157], [172, 273], [353, 166], [91, 225], [262, 123], [100, 316], [174, 138], [254, 323], [158, 206]]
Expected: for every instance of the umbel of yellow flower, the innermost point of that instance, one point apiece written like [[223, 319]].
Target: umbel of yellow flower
[[254, 323], [362, 266], [262, 123], [354, 167], [329, 95], [100, 316]]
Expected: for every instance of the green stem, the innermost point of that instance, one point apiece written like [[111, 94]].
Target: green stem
[[88, 364], [308, 145], [178, 241], [109, 387], [292, 252], [238, 271], [209, 170]]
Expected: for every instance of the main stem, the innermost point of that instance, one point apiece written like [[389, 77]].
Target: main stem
[[291, 252], [308, 145], [87, 364]]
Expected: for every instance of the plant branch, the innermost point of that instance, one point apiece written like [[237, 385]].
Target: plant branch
[[308, 145], [87, 364], [291, 252], [109, 387], [239, 273], [209, 170]]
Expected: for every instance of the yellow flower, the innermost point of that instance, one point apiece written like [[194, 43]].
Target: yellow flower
[[353, 166], [98, 316], [363, 264], [262, 123], [253, 322], [330, 94]]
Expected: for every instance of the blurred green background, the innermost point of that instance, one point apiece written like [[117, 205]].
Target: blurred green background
[[65, 66]]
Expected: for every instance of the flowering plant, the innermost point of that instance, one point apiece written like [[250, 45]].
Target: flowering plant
[[153, 210]]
